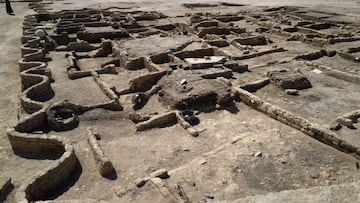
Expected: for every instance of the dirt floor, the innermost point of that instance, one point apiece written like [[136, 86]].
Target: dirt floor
[[179, 101]]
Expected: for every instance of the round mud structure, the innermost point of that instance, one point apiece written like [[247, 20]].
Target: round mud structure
[[62, 118]]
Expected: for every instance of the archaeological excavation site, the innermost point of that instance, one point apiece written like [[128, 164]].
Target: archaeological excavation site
[[184, 102]]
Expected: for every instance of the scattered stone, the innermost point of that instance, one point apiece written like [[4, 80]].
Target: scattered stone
[[235, 139], [283, 161], [258, 154], [335, 126], [209, 195], [292, 91], [346, 122], [193, 132], [183, 82], [161, 173], [139, 182], [202, 162], [316, 71]]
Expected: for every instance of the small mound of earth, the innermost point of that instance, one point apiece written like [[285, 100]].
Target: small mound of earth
[[183, 89], [287, 79]]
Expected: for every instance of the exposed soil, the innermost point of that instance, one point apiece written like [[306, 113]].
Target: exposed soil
[[161, 88]]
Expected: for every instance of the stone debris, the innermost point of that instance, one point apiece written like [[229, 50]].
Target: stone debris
[[292, 91], [316, 71], [236, 139], [258, 154], [209, 195], [161, 173], [202, 162], [139, 182], [346, 122], [183, 82]]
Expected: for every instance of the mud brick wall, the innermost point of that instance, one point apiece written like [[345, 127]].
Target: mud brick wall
[[48, 179], [296, 122], [36, 86]]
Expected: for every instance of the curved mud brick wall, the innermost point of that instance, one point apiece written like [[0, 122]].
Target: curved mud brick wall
[[35, 87], [31, 97], [49, 178], [296, 122], [57, 172]]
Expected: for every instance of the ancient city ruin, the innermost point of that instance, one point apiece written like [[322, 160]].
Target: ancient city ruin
[[217, 102]]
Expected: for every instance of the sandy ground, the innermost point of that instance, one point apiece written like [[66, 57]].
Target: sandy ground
[[10, 32], [350, 7]]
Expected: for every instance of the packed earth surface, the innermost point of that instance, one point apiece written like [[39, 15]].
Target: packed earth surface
[[180, 101]]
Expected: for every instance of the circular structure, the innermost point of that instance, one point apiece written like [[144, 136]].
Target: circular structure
[[61, 118]]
